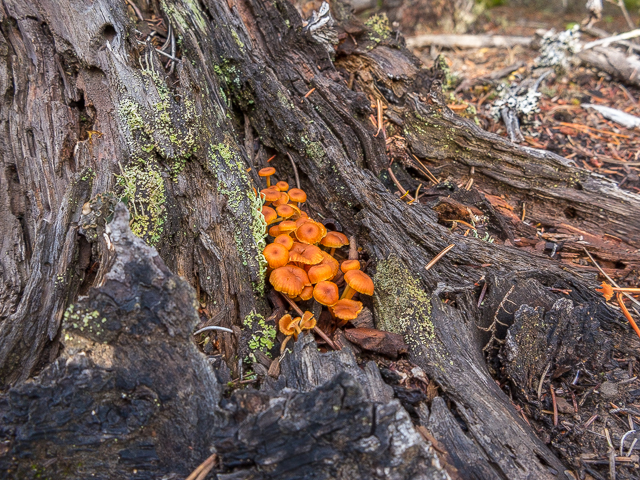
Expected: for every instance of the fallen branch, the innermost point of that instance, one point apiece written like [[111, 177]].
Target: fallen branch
[[467, 41]]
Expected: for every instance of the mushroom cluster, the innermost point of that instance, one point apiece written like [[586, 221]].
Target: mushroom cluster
[[302, 262]]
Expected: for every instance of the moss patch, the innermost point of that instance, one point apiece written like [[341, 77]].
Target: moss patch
[[402, 306], [379, 26], [263, 333]]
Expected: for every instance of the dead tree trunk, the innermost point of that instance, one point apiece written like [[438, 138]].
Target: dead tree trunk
[[90, 114]]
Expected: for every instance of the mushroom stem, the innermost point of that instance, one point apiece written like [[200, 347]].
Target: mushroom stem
[[268, 181], [348, 292], [284, 344], [333, 250]]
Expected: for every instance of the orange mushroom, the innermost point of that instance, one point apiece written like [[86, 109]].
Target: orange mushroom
[[282, 186], [269, 214], [276, 255], [267, 172], [350, 265], [289, 326], [285, 240], [346, 310], [334, 240], [305, 254], [270, 194], [285, 211], [326, 293], [283, 200], [332, 262], [307, 293], [275, 231], [309, 232], [289, 279], [357, 281], [319, 273], [287, 226], [307, 321], [297, 195]]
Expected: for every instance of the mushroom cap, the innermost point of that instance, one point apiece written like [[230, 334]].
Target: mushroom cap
[[297, 195], [270, 194], [289, 279], [288, 325], [347, 309], [283, 200], [285, 211], [319, 273], [350, 265], [332, 262], [296, 209], [326, 293], [266, 172], [335, 240], [307, 321], [287, 226], [309, 232], [285, 240], [269, 214], [276, 255], [307, 254], [359, 281], [307, 293], [282, 186], [275, 231], [302, 220]]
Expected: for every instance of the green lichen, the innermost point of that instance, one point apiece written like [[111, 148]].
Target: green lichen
[[91, 321], [402, 306], [314, 151], [379, 27], [263, 333], [236, 37], [143, 191]]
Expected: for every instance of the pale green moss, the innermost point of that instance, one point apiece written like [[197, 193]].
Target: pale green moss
[[379, 26], [236, 37], [91, 321], [263, 333], [143, 191], [402, 306]]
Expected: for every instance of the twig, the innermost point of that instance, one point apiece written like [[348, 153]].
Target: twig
[[623, 439], [544, 374], [555, 406], [395, 180], [213, 327], [605, 42], [135, 9], [295, 169], [203, 469], [482, 293], [430, 175], [439, 256], [379, 111]]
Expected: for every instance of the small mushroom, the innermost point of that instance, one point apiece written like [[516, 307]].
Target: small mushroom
[[269, 214], [285, 211], [285, 240], [357, 281], [350, 265], [332, 262], [307, 293], [267, 172], [289, 326], [309, 232], [305, 254], [297, 195], [270, 194], [326, 293], [319, 273], [307, 321], [289, 279], [334, 240], [282, 186], [287, 226], [276, 255], [283, 200], [346, 310]]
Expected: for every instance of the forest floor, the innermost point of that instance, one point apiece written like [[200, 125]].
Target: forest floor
[[584, 419]]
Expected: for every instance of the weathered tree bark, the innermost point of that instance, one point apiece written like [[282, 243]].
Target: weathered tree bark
[[180, 139]]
